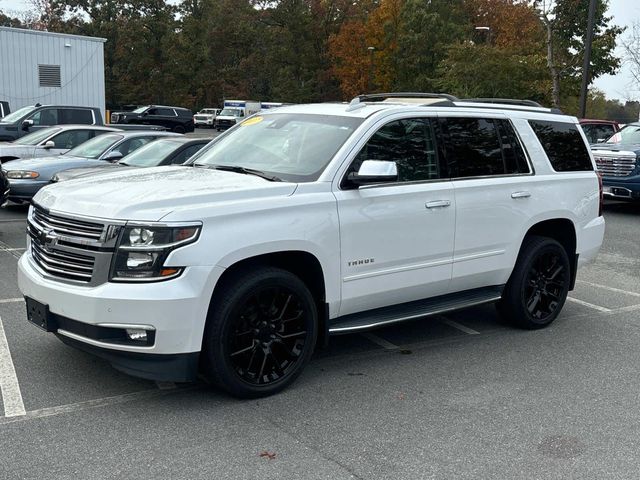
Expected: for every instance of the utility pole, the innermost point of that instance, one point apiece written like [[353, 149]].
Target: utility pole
[[587, 59], [370, 82]]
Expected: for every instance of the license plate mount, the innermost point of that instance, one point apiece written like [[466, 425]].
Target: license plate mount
[[38, 314]]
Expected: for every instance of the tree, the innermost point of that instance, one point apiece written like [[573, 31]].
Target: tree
[[565, 23]]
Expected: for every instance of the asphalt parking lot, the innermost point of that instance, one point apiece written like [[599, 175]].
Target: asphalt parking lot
[[455, 396]]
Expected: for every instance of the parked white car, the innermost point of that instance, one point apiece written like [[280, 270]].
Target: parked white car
[[206, 118], [49, 141], [309, 221]]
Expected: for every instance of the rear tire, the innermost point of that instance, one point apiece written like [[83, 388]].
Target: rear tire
[[261, 332], [538, 286]]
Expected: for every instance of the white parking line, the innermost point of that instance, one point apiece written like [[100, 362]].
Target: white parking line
[[8, 249], [11, 300], [611, 289], [13, 249], [459, 326], [9, 387], [590, 305], [379, 341]]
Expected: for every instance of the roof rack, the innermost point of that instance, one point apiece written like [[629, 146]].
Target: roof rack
[[503, 101], [378, 97]]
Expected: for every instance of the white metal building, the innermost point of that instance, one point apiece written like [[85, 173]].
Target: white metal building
[[51, 68]]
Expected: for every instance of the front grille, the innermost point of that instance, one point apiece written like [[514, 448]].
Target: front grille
[[201, 117], [616, 164], [61, 264], [68, 248], [225, 123], [66, 226]]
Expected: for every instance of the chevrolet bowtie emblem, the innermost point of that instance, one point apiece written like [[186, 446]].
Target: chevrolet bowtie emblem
[[48, 238]]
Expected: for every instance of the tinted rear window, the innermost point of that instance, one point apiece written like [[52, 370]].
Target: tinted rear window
[[563, 145], [75, 116], [479, 147]]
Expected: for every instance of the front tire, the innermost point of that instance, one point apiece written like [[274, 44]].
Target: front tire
[[178, 129], [538, 286], [261, 332]]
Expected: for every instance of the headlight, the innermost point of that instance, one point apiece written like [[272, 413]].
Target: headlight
[[142, 250], [20, 174]]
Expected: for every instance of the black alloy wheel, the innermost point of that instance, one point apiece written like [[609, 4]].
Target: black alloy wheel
[[261, 332], [539, 284]]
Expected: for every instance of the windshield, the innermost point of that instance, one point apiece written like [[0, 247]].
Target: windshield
[[294, 147], [17, 115], [140, 109], [152, 154], [95, 147], [36, 137], [207, 111], [628, 134], [231, 112]]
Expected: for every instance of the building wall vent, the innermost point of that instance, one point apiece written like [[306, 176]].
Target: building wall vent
[[49, 75]]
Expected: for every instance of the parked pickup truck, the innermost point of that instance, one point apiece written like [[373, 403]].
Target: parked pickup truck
[[206, 117], [29, 119], [617, 161], [313, 220]]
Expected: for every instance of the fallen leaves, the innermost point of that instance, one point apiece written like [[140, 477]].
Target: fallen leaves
[[267, 454]]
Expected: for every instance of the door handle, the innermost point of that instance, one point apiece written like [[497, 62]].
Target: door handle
[[520, 194], [438, 204]]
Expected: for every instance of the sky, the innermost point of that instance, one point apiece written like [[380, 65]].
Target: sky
[[620, 86]]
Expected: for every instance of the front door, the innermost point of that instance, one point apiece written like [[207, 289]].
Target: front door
[[397, 239]]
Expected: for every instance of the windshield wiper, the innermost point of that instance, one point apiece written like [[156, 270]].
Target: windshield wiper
[[244, 170]]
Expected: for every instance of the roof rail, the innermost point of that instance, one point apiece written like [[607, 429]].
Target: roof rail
[[503, 101], [378, 97]]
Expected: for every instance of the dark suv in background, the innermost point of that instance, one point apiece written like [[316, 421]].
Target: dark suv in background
[[175, 119], [29, 119]]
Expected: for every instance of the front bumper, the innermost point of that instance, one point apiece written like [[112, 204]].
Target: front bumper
[[622, 188], [24, 190], [176, 310]]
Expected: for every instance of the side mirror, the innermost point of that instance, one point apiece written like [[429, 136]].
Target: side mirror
[[113, 155], [26, 124], [49, 144], [144, 114], [374, 171]]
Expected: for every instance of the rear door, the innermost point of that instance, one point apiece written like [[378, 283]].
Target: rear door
[[495, 197], [397, 238]]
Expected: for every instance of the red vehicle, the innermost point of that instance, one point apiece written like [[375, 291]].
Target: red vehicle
[[598, 131]]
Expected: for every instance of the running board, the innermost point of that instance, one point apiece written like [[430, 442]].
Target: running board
[[408, 311]]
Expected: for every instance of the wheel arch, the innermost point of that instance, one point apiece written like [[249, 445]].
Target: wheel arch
[[303, 264], [563, 230]]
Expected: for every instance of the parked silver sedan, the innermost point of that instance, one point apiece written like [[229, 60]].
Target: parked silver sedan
[[50, 141]]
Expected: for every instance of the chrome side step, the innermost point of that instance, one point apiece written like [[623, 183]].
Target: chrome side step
[[408, 311]]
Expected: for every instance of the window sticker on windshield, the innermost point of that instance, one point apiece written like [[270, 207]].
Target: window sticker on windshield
[[251, 121]]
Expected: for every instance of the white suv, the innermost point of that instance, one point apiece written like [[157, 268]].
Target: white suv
[[309, 221]]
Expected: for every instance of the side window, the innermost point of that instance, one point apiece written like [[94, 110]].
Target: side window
[[563, 144], [80, 116], [515, 160], [132, 144], [165, 112], [409, 143], [46, 116], [71, 138], [473, 147], [185, 154]]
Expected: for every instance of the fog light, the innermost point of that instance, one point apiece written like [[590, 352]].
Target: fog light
[[136, 334]]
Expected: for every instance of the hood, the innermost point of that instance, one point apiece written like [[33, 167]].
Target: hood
[[38, 163], [72, 173], [617, 147], [149, 194], [8, 149]]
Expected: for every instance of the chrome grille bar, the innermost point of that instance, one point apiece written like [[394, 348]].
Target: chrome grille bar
[[67, 226], [615, 164]]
